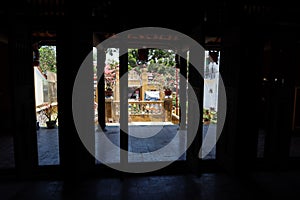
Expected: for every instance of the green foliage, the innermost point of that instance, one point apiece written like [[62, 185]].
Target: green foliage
[[48, 58], [162, 57], [161, 63], [155, 56], [132, 59]]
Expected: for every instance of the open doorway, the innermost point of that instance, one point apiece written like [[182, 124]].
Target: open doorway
[[153, 106], [45, 82], [153, 103], [106, 71], [210, 102]]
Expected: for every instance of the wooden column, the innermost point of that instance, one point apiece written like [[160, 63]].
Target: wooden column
[[280, 102], [248, 80], [195, 118], [74, 43], [124, 106], [183, 91], [23, 99], [241, 61], [101, 87], [144, 83]]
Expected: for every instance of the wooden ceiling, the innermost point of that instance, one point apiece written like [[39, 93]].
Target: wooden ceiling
[[216, 11], [185, 17]]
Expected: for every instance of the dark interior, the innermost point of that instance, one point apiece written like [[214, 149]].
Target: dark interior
[[258, 41]]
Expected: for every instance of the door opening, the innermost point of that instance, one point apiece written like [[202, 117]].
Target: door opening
[[45, 82]]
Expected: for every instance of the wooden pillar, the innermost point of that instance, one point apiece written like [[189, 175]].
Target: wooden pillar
[[144, 83], [117, 87], [183, 91], [280, 103], [5, 90], [101, 86], [195, 118], [248, 80], [229, 69], [74, 43], [124, 106], [23, 99], [241, 61]]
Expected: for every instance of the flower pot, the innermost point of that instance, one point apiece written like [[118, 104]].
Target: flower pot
[[51, 124], [108, 93], [168, 92]]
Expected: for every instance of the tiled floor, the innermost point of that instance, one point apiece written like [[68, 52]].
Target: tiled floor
[[6, 152], [142, 148], [147, 143], [48, 149], [209, 186]]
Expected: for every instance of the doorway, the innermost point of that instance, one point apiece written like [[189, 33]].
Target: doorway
[[152, 92], [45, 82], [210, 103]]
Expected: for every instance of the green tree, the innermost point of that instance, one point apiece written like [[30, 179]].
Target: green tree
[[161, 63], [132, 59], [48, 58]]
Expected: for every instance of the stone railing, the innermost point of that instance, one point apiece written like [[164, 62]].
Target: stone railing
[[140, 111]]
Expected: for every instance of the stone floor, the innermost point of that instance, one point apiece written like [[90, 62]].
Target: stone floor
[[208, 186], [48, 150], [6, 152], [147, 143], [142, 148]]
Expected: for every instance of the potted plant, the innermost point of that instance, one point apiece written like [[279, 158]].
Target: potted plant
[[51, 113], [206, 117]]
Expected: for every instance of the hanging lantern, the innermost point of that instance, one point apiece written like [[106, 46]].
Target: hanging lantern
[[214, 56], [143, 55]]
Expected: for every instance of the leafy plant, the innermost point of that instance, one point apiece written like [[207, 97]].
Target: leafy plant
[[47, 58]]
